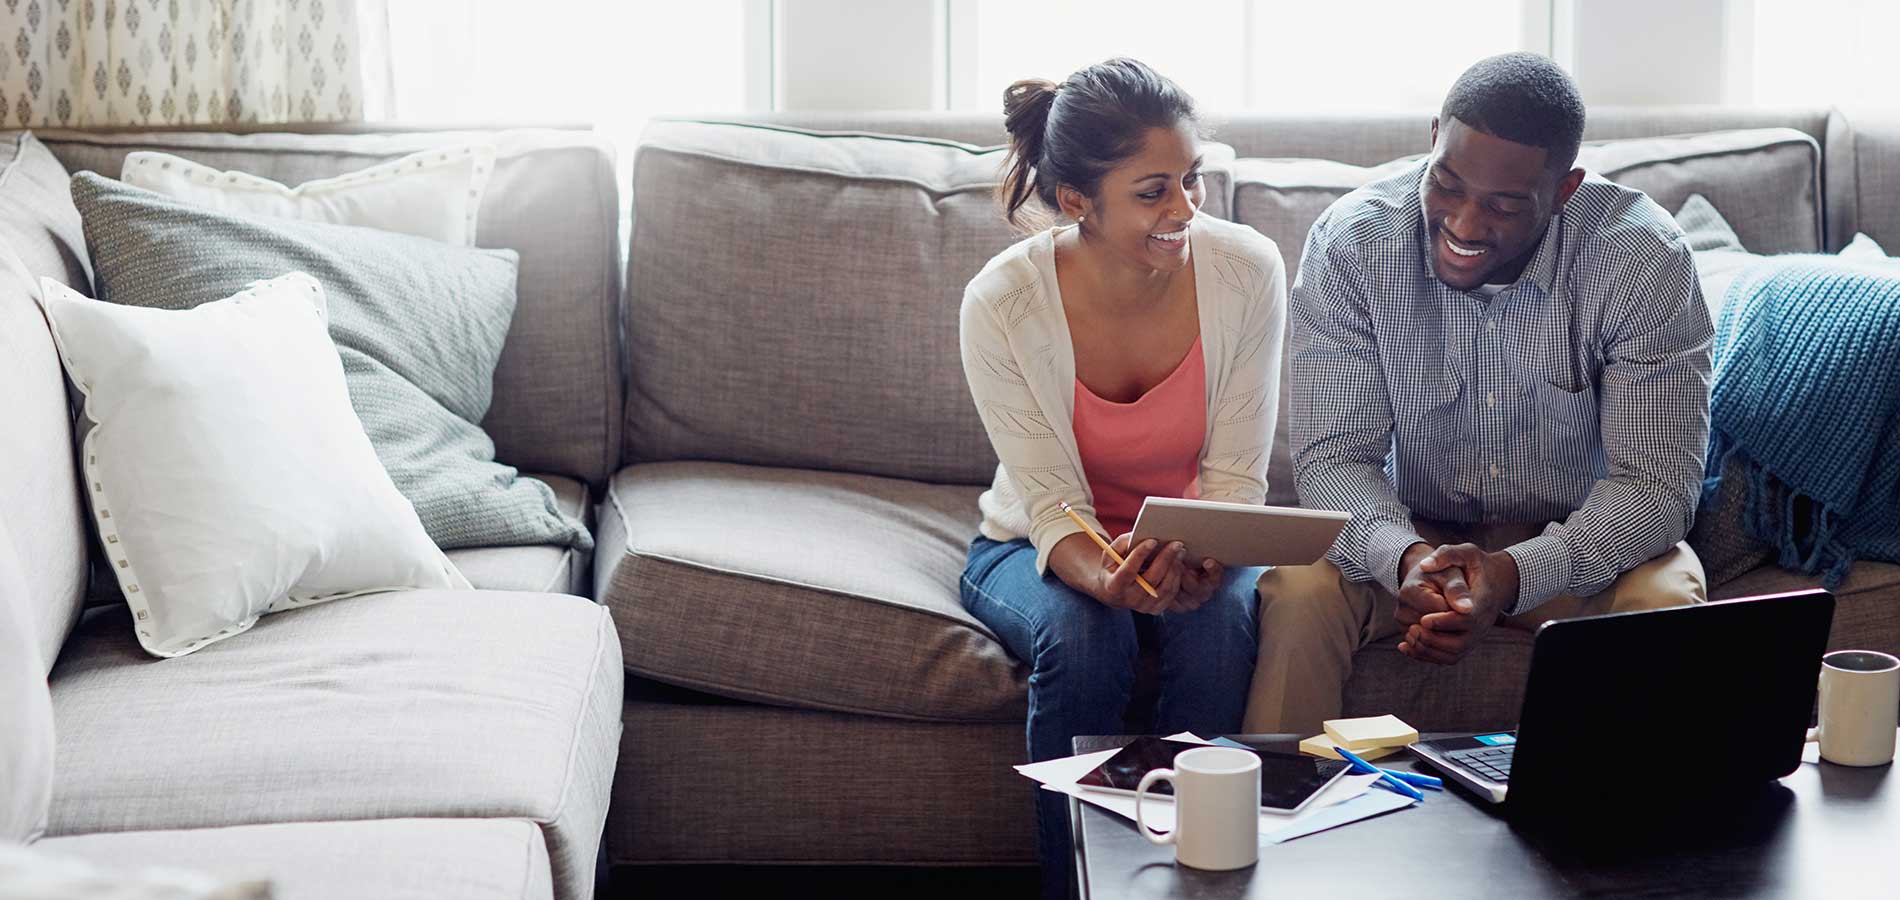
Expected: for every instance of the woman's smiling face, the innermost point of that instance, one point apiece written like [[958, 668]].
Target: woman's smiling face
[[1146, 205]]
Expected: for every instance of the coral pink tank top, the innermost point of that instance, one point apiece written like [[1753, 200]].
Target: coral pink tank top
[[1151, 447]]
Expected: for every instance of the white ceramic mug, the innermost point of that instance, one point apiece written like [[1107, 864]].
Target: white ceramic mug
[[1860, 707], [1216, 807]]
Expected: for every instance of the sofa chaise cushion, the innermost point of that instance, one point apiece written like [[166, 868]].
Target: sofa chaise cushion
[[405, 704], [798, 588], [389, 859]]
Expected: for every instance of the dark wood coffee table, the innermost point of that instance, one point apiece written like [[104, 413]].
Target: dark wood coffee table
[[1827, 831]]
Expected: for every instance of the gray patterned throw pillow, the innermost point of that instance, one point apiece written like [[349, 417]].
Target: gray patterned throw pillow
[[419, 326]]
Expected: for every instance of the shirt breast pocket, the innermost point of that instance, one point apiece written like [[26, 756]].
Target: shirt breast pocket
[[1570, 416]]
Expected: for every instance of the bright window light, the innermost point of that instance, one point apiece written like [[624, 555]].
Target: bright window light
[[1821, 52], [567, 62], [1197, 43], [1373, 54], [1238, 55]]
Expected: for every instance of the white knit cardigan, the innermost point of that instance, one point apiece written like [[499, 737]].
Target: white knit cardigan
[[1020, 364]]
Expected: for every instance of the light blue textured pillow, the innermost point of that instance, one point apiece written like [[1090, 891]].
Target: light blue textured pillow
[[419, 325]]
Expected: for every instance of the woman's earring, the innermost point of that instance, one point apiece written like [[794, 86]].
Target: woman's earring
[[1078, 219]]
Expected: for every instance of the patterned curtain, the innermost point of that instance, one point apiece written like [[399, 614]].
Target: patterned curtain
[[82, 63]]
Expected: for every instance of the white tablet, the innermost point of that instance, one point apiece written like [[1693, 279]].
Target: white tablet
[[1236, 534]]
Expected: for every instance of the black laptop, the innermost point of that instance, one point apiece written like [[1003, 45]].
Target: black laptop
[[1683, 702]]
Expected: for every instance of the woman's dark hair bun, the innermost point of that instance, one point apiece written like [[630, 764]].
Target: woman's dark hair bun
[[1026, 106]]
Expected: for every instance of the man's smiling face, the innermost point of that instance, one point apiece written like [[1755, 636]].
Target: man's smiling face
[[1487, 202]]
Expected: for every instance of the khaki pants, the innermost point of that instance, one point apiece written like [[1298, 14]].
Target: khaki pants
[[1312, 620]]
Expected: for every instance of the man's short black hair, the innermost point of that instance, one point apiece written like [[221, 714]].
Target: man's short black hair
[[1523, 98]]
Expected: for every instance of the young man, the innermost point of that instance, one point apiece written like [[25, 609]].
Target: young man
[[1501, 369]]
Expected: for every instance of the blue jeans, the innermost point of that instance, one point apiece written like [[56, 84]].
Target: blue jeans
[[1081, 656]]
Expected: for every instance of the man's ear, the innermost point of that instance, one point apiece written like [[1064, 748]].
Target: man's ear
[[1568, 186], [1073, 204], [1434, 132]]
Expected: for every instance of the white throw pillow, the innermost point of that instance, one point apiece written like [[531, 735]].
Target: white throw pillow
[[1864, 249], [436, 194], [228, 475]]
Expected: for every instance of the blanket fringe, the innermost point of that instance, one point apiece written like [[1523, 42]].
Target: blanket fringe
[[1771, 514]]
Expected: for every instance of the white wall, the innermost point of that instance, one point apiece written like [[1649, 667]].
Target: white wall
[[860, 55]]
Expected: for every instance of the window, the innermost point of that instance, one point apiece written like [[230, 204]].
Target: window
[[1374, 54], [1234, 55], [567, 62], [1200, 44], [1816, 52], [573, 63]]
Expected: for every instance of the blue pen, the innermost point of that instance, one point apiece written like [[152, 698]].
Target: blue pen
[[1367, 768], [1421, 781], [1424, 781]]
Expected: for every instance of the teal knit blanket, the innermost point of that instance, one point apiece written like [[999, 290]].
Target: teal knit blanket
[[1807, 399]]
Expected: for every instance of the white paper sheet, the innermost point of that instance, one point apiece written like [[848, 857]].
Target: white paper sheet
[[1344, 801], [1070, 769]]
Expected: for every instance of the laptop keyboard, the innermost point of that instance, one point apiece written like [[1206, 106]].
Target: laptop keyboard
[[1493, 763]]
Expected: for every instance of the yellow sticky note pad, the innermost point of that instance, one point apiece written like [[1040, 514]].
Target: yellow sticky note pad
[[1370, 733], [1321, 745]]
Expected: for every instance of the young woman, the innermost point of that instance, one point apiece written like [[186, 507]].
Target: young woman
[[1134, 352]]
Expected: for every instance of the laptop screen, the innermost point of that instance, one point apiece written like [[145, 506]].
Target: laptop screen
[[1729, 685]]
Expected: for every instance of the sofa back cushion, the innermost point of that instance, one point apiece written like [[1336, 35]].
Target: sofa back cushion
[[1770, 177], [1863, 177], [1766, 181], [1357, 138], [39, 485], [552, 199], [793, 298]]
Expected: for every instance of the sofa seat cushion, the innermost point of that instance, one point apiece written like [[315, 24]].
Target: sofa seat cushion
[[1866, 605], [393, 859], [406, 704], [542, 568], [799, 588]]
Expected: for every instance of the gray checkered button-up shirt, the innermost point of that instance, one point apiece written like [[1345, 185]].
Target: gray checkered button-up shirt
[[1579, 396]]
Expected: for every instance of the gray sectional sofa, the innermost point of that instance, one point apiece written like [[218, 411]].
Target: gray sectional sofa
[[770, 430]]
